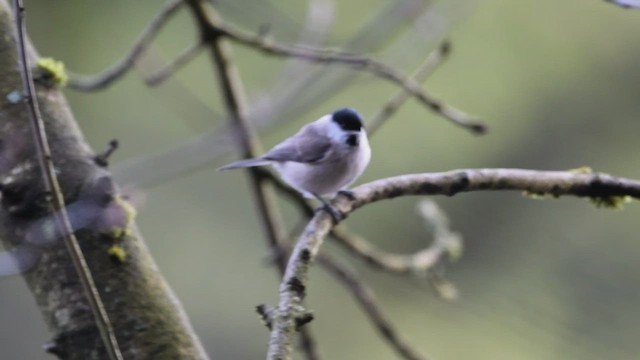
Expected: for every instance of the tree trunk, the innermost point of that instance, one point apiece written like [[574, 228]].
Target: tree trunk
[[148, 320]]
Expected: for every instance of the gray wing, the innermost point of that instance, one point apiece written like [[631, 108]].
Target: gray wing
[[307, 146]]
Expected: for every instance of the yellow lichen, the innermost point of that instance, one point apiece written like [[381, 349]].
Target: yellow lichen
[[53, 70], [117, 253], [582, 170], [610, 202], [129, 217], [534, 195]]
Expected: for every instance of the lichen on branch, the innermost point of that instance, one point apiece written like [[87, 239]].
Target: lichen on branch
[[556, 183]]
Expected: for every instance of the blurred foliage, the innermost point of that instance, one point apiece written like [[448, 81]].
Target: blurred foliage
[[556, 279]]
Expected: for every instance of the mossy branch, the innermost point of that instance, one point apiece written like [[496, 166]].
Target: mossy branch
[[556, 183]]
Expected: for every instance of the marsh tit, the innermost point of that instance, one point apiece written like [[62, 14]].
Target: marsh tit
[[322, 158]]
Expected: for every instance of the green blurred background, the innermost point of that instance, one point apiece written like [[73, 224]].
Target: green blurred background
[[557, 82]]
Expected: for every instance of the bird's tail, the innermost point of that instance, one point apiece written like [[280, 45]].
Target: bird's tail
[[245, 163]]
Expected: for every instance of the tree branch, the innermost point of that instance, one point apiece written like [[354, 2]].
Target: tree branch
[[122, 66], [365, 297], [176, 64], [417, 263], [552, 183], [234, 100], [199, 152], [430, 64], [211, 30], [358, 62]]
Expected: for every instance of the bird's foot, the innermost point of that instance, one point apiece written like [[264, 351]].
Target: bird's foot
[[348, 194], [336, 214]]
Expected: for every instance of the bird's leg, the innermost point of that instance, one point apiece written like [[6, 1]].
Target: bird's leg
[[335, 213]]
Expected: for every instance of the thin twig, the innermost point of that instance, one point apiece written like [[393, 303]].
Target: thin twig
[[235, 103], [102, 159], [446, 245], [602, 188], [122, 66], [317, 25], [358, 62], [176, 64], [364, 295], [52, 187], [198, 153], [234, 100], [410, 264], [430, 64], [418, 263]]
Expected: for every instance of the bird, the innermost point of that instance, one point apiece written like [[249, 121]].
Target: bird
[[322, 159]]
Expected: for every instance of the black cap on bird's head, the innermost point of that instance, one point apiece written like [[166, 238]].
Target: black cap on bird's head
[[347, 119]]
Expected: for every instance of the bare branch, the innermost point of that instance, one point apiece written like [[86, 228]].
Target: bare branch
[[181, 60], [417, 263], [362, 294], [234, 100], [358, 62], [553, 183], [420, 263], [425, 69], [359, 290], [265, 313], [317, 25], [117, 70], [446, 245], [102, 159], [52, 187], [369, 304], [307, 88]]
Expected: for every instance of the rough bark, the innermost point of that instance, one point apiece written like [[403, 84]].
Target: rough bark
[[148, 320]]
